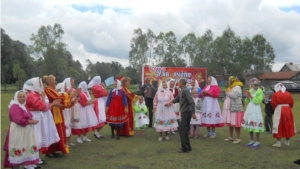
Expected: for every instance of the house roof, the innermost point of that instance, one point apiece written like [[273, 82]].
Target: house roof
[[291, 66], [279, 75], [250, 72]]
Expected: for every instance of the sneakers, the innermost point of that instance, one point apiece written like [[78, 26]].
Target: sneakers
[[255, 145], [229, 139], [236, 141], [160, 139], [173, 132], [167, 138], [213, 135], [250, 144], [79, 140], [277, 145], [86, 139]]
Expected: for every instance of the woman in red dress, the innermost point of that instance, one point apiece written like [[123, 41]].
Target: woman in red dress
[[283, 125], [53, 95], [116, 109], [128, 129]]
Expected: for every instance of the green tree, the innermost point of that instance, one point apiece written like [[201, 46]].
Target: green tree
[[139, 48], [19, 74], [6, 59], [47, 45]]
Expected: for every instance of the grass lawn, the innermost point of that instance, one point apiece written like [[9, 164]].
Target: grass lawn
[[146, 152]]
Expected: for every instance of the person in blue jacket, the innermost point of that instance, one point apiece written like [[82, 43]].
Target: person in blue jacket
[[195, 86]]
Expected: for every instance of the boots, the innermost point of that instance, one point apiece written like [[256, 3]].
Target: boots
[[118, 133], [112, 132]]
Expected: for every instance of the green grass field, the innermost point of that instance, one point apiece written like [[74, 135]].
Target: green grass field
[[146, 152]]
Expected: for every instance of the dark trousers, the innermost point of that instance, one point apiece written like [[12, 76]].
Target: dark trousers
[[149, 104], [184, 130], [268, 122]]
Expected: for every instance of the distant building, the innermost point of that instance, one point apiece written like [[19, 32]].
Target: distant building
[[268, 78], [290, 67], [250, 73]]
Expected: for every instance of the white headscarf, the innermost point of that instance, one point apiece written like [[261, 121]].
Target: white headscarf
[[67, 81], [95, 81], [83, 87], [279, 86], [196, 84], [212, 83], [119, 86], [60, 87], [139, 104], [16, 101], [160, 88], [34, 84], [173, 89]]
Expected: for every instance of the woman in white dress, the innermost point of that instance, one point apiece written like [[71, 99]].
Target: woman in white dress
[[74, 110], [165, 117], [100, 94], [88, 118], [253, 118], [211, 112], [45, 131]]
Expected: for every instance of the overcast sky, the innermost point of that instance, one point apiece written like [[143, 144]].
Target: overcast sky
[[100, 30]]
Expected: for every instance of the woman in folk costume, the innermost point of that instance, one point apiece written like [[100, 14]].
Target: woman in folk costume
[[283, 125], [116, 109], [100, 94], [175, 92], [45, 131], [195, 86], [165, 118], [211, 112], [253, 118], [74, 111], [88, 119], [128, 129], [233, 109], [140, 118], [20, 144], [61, 88], [66, 101]]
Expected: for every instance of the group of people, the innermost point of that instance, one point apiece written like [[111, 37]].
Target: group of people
[[44, 115]]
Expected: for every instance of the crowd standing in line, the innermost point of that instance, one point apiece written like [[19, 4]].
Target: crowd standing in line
[[46, 114]]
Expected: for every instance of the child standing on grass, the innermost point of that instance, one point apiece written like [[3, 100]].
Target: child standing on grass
[[195, 123], [253, 119], [269, 111], [140, 118]]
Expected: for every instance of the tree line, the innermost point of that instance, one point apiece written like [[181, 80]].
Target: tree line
[[227, 54], [47, 54]]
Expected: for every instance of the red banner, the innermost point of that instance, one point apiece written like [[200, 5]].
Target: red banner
[[165, 73]]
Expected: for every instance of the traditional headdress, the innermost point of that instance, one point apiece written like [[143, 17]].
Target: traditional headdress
[[16, 101], [95, 81], [280, 86]]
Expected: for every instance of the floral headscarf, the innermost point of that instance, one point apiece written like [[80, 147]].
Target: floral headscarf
[[234, 82]]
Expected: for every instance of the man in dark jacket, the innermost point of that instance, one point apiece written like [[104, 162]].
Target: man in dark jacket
[[148, 98], [187, 110]]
